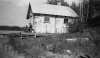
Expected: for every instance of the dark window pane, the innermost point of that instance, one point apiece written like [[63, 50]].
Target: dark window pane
[[46, 19], [66, 20]]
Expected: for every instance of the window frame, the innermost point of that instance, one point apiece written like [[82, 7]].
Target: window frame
[[46, 19]]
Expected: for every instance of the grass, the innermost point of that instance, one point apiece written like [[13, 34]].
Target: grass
[[52, 43]]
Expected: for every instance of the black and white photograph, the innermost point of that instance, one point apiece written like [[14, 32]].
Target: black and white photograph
[[49, 28]]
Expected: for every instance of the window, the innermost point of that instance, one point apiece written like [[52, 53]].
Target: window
[[66, 20], [46, 19]]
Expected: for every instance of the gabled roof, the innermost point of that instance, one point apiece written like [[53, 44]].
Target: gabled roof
[[53, 10]]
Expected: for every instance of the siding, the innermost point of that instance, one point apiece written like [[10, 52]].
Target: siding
[[56, 25]]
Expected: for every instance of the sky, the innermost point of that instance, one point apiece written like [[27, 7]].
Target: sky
[[13, 12]]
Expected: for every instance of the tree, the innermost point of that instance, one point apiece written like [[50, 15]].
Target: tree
[[55, 2], [76, 8]]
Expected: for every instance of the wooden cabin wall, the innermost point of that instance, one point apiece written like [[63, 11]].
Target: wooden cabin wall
[[38, 24], [55, 25]]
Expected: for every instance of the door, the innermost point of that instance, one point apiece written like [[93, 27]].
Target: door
[[59, 25], [51, 27]]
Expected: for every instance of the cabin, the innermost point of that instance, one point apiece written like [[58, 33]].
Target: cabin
[[47, 18]]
